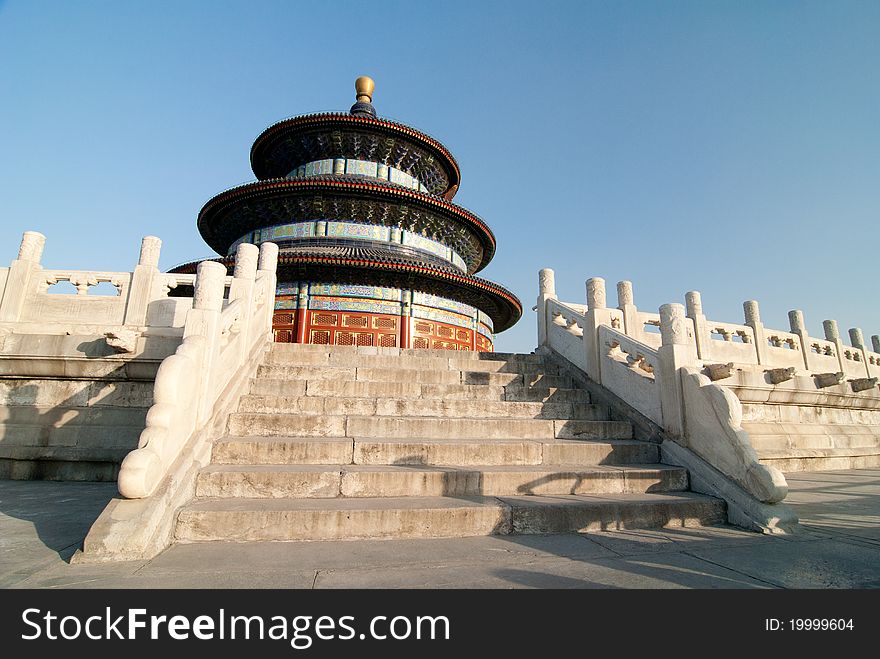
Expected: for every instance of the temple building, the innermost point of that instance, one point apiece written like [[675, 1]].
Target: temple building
[[373, 252]]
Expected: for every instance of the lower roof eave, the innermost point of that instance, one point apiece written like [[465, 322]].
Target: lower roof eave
[[502, 306]]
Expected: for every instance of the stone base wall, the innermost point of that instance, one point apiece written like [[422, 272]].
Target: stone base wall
[[57, 429], [813, 437]]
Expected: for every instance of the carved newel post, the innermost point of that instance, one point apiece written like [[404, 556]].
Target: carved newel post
[[753, 319], [146, 285], [151, 247], [246, 256], [21, 278], [242, 288], [546, 291], [875, 342], [268, 265], [694, 302], [597, 314], [677, 350], [209, 286], [857, 339], [798, 326], [268, 258], [626, 303], [832, 333], [595, 293], [31, 247], [203, 321]]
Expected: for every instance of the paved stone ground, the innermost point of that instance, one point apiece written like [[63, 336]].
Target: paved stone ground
[[43, 523]]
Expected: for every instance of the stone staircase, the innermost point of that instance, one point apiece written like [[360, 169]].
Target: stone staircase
[[345, 443]]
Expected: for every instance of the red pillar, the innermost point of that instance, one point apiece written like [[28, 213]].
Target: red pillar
[[405, 331], [301, 335], [302, 306], [406, 320]]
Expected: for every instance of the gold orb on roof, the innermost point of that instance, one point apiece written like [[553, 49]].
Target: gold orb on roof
[[364, 87]]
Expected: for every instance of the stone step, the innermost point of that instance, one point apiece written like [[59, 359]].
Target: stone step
[[545, 394], [421, 408], [282, 450], [297, 348], [314, 425], [254, 450], [445, 362], [485, 428], [278, 481], [402, 375], [820, 458], [363, 389], [502, 452], [244, 520]]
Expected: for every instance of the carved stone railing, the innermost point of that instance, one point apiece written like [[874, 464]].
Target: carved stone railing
[[660, 379], [565, 328], [196, 389], [693, 378], [629, 369], [34, 300], [218, 341]]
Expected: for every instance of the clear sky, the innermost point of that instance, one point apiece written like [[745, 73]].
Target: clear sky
[[728, 147]]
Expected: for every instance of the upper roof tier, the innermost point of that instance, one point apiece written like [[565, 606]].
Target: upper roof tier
[[359, 135]]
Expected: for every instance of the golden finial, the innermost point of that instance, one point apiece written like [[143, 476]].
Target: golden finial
[[364, 87]]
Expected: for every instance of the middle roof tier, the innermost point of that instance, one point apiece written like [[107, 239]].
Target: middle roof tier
[[345, 198]]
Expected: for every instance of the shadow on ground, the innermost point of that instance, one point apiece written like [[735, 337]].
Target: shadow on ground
[[839, 547], [42, 522]]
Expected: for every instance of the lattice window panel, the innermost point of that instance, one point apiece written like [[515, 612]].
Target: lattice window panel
[[325, 319], [444, 345], [364, 339], [445, 332], [283, 319], [419, 342], [483, 343], [388, 340], [344, 338], [355, 321], [424, 328], [384, 323], [320, 337], [463, 335], [283, 336]]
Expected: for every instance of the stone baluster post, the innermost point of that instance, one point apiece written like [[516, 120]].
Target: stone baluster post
[[798, 326], [267, 266], [145, 286], [694, 310], [626, 303], [596, 314], [753, 320], [875, 343], [546, 291], [676, 351], [832, 333], [202, 323], [21, 282], [242, 288], [857, 339]]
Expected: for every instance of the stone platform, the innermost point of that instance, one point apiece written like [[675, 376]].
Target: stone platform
[[42, 524]]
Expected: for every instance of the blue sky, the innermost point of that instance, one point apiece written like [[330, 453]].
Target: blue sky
[[728, 147]]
